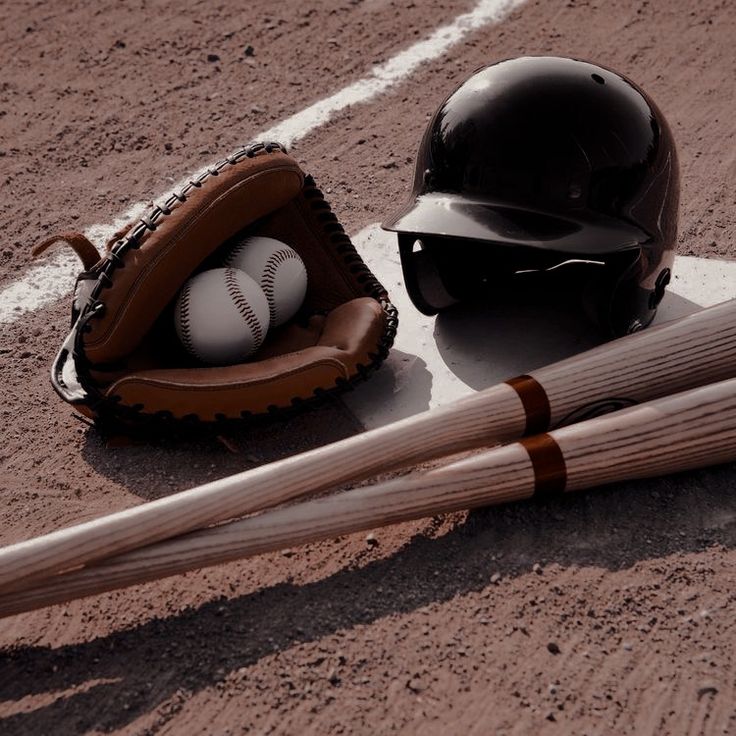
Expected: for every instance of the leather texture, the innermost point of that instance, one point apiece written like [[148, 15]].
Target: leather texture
[[154, 272], [128, 364], [276, 380]]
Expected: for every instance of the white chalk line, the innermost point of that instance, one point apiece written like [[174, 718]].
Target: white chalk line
[[49, 281], [386, 75]]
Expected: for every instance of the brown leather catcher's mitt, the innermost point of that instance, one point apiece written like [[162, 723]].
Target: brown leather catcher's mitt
[[122, 359]]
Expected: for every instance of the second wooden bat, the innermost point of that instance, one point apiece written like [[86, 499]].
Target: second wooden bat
[[693, 351]]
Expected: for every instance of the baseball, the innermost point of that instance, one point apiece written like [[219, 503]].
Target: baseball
[[221, 316], [277, 268]]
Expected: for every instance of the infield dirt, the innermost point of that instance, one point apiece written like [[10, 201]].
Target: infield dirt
[[610, 612]]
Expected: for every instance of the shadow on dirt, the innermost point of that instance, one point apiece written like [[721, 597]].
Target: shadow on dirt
[[174, 459], [132, 672]]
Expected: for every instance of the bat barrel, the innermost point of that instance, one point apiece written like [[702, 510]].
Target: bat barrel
[[660, 361]]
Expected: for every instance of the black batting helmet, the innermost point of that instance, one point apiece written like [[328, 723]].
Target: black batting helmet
[[539, 172]]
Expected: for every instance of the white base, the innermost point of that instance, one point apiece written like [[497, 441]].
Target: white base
[[436, 360]]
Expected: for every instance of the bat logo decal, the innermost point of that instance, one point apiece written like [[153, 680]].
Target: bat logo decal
[[595, 409]]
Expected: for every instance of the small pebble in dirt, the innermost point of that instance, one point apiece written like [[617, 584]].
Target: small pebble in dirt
[[537, 568], [213, 57], [707, 689], [370, 540], [628, 646], [333, 678], [249, 51], [553, 648], [415, 685], [495, 577]]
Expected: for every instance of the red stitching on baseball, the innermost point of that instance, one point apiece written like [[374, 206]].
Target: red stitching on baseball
[[230, 257], [268, 277], [242, 304], [185, 322]]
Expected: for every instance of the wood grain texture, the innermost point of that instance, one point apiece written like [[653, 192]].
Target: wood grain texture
[[659, 361], [689, 430], [495, 416], [693, 351]]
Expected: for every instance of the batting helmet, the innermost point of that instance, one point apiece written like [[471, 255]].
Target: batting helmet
[[542, 172]]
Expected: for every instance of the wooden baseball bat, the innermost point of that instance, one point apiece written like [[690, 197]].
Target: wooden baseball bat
[[692, 351], [689, 430]]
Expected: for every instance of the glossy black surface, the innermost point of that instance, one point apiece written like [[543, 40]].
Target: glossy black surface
[[552, 154]]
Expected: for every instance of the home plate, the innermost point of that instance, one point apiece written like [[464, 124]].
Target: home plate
[[436, 360]]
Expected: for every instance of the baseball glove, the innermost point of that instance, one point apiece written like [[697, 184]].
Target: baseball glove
[[122, 360]]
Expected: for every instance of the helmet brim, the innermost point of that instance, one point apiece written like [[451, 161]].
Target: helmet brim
[[455, 216]]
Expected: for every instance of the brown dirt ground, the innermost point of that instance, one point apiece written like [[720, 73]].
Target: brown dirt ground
[[636, 583]]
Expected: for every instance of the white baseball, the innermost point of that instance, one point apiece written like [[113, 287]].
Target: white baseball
[[221, 316], [277, 268]]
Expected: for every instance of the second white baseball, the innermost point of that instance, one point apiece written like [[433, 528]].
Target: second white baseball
[[277, 268], [221, 316]]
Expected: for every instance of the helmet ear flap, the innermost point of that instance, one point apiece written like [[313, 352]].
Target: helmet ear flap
[[615, 299], [422, 277]]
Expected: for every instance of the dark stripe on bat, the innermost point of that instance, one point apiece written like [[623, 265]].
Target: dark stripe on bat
[[535, 402], [550, 471]]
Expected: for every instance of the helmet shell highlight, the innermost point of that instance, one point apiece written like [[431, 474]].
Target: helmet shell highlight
[[562, 160]]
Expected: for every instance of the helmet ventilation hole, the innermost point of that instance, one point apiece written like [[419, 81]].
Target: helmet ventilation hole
[[575, 191], [598, 78]]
